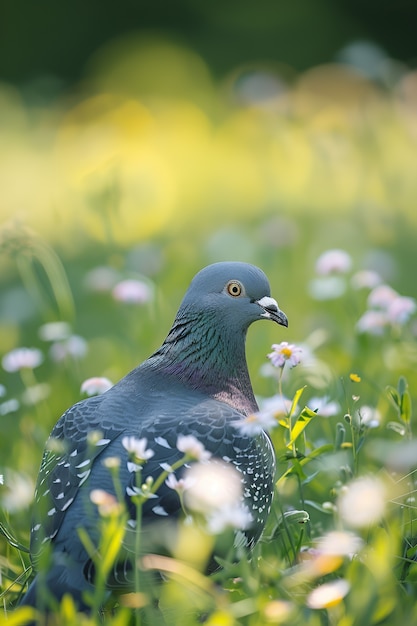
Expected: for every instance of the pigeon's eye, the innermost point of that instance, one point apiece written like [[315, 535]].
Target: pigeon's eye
[[234, 288]]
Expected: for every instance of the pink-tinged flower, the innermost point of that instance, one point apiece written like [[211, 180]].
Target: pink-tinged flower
[[235, 516], [327, 287], [277, 406], [363, 502], [366, 279], [137, 447], [132, 291], [179, 484], [278, 611], [323, 406], [101, 279], [333, 262], [255, 423], [328, 595], [9, 406], [285, 352], [339, 543], [211, 486], [372, 322], [144, 491], [381, 297], [55, 331], [36, 393], [96, 386], [369, 416], [75, 347], [137, 451], [18, 493], [106, 502], [112, 462], [401, 309], [22, 358], [193, 448]]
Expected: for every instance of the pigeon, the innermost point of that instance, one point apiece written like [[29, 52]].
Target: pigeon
[[195, 388]]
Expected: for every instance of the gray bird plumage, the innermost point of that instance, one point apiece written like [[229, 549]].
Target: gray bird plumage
[[197, 383]]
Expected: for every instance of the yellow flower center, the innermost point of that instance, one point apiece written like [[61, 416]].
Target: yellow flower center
[[287, 352]]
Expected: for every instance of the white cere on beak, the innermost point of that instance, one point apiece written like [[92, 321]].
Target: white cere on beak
[[270, 305], [271, 311]]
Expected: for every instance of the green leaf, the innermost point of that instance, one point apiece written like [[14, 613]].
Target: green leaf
[[302, 422], [405, 410], [324, 449], [12, 540], [297, 469], [397, 427], [402, 385], [327, 447], [295, 400], [394, 396], [340, 435], [318, 507], [295, 517]]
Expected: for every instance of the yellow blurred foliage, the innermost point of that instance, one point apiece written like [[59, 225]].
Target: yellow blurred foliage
[[149, 144]]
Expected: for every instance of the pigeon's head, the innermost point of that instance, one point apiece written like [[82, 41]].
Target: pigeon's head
[[233, 293]]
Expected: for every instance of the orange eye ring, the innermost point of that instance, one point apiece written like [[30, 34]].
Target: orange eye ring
[[234, 288]]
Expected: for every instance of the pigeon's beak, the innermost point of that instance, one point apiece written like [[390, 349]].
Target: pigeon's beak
[[272, 310]]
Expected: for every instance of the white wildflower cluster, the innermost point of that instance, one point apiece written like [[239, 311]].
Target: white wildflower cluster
[[64, 343], [127, 290], [208, 488], [386, 308], [330, 282], [96, 385], [215, 491], [368, 416], [144, 492], [22, 358], [17, 491], [283, 353], [324, 406], [267, 418], [138, 453], [180, 485], [328, 594], [235, 515], [132, 291], [10, 405], [193, 448], [333, 262], [107, 503], [363, 502], [73, 347], [339, 543], [256, 423]]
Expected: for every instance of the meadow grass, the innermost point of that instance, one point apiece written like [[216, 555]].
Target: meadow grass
[[111, 200], [339, 544]]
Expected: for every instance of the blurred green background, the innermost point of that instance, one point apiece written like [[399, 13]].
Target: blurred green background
[[150, 139], [142, 141]]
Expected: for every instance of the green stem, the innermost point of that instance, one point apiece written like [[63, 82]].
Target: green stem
[[354, 448], [164, 475], [28, 379], [139, 503], [289, 423]]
